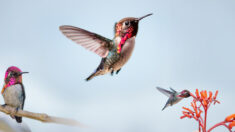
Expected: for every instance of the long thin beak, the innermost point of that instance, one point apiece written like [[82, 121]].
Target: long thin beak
[[23, 73], [144, 16]]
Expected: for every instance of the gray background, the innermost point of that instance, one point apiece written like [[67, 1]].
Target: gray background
[[186, 44]]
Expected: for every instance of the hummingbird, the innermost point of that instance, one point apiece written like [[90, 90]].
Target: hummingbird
[[13, 90], [116, 52], [174, 96]]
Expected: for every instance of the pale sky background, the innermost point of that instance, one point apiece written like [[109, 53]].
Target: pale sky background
[[186, 44]]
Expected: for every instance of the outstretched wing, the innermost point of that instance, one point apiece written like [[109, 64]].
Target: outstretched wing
[[91, 41], [164, 91]]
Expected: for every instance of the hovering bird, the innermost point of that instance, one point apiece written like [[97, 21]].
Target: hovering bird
[[13, 90], [115, 53], [174, 96]]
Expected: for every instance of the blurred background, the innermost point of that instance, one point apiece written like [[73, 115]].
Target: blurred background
[[186, 44]]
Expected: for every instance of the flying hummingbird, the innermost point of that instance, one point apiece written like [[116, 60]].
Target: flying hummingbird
[[13, 90], [115, 53], [174, 96]]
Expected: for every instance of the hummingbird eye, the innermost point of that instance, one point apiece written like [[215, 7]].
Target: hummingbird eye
[[11, 74], [127, 23]]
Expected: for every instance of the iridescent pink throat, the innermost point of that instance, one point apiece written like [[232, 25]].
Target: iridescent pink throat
[[12, 81], [127, 35]]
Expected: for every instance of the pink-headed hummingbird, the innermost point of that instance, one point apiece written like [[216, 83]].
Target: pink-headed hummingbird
[[13, 90]]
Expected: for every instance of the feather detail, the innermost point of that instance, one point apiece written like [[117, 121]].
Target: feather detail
[[91, 41]]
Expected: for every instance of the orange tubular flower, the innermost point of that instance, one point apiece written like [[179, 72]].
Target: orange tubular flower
[[202, 94], [190, 111], [193, 105], [197, 93], [216, 93], [230, 118], [210, 96], [231, 125], [205, 94], [182, 117], [204, 102]]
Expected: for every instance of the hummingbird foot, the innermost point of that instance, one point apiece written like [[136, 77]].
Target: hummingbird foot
[[112, 72], [118, 71], [13, 113]]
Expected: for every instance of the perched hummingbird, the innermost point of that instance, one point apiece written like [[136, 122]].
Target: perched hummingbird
[[13, 90], [174, 96], [115, 53]]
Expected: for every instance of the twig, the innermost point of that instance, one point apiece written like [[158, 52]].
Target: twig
[[40, 117]]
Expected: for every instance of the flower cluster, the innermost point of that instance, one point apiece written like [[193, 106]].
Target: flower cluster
[[204, 101], [200, 104]]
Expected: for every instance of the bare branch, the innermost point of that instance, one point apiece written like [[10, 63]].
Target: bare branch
[[41, 117]]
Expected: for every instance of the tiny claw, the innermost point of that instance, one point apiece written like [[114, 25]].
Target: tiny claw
[[112, 73], [13, 113], [118, 71]]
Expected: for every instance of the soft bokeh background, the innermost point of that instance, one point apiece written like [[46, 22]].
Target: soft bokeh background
[[186, 44]]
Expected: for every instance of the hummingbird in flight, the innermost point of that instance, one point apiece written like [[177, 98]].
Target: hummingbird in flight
[[116, 52], [174, 96], [13, 90]]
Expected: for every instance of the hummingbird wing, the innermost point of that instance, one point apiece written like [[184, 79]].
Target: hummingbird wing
[[173, 90], [164, 91], [91, 41]]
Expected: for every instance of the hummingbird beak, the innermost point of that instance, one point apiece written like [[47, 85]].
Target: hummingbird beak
[[23, 73], [138, 19]]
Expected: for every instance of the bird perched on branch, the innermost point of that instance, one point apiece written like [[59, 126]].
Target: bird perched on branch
[[174, 96], [13, 90], [115, 53]]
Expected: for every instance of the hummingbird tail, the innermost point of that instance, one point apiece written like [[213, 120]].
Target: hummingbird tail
[[98, 70], [167, 104], [164, 107], [18, 119], [90, 77]]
